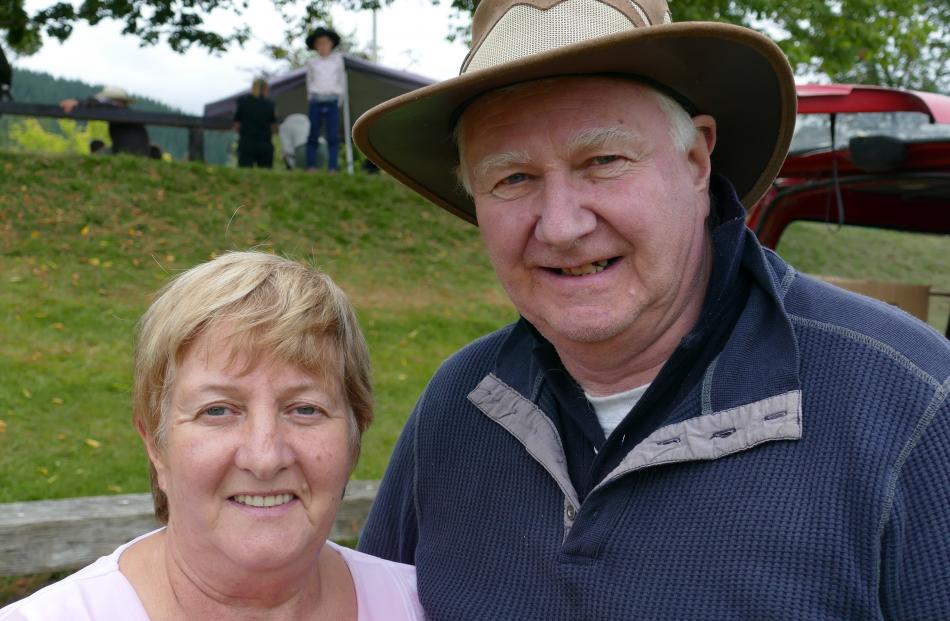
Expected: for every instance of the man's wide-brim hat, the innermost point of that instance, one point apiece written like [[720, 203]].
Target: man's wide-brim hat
[[735, 74], [115, 94], [322, 32]]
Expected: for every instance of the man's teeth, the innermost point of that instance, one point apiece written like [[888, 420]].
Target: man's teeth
[[263, 501], [587, 268]]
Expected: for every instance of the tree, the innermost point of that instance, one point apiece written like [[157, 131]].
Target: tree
[[902, 43]]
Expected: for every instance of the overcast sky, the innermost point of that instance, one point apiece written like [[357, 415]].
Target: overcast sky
[[411, 36]]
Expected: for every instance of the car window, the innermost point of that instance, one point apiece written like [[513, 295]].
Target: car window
[[813, 131]]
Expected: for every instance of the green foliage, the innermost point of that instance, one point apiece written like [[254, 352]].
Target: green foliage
[[72, 137], [900, 43]]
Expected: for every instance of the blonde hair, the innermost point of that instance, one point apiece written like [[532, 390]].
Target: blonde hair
[[259, 87], [266, 304], [682, 130]]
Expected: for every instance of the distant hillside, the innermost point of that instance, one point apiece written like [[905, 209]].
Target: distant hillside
[[41, 87]]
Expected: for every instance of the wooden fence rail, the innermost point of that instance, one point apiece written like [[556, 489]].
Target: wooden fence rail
[[58, 535], [194, 124]]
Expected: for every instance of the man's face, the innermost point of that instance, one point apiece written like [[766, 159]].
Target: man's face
[[594, 221], [323, 45]]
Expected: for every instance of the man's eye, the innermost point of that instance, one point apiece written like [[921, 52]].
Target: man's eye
[[601, 160], [306, 410], [513, 179], [216, 410]]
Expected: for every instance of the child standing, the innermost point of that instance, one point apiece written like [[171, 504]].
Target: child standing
[[326, 81]]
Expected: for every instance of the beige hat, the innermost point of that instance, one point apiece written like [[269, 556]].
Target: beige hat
[[114, 93], [735, 74]]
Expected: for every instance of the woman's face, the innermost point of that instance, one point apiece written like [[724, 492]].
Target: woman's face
[[255, 460]]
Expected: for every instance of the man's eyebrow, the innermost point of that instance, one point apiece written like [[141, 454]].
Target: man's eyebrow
[[500, 160], [599, 136]]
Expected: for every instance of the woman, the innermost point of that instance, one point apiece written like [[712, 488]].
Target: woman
[[255, 121], [251, 393]]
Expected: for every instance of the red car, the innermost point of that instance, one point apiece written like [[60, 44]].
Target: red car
[[864, 156]]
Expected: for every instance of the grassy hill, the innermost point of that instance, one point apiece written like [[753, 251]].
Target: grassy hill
[[85, 241]]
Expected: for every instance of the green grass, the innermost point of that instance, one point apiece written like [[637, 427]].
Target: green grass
[[85, 241], [873, 254]]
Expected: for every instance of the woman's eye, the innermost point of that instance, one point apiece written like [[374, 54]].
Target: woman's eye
[[216, 410], [306, 410]]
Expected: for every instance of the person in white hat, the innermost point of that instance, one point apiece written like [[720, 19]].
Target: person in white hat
[[127, 136], [679, 426]]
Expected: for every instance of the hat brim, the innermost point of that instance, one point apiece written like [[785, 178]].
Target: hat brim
[[735, 74]]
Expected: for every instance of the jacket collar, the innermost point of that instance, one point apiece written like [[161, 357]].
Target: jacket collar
[[745, 389]]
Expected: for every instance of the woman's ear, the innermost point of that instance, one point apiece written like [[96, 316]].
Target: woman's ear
[[154, 453]]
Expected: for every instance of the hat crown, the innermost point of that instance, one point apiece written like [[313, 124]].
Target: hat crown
[[506, 30]]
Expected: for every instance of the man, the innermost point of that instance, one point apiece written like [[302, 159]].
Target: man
[[680, 426], [126, 136], [255, 121]]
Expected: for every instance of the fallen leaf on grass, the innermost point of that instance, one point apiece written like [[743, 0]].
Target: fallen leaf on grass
[[3, 426], [114, 488], [94, 261], [56, 401], [58, 326], [60, 436], [93, 443], [52, 479], [27, 393], [34, 234], [43, 470], [84, 231]]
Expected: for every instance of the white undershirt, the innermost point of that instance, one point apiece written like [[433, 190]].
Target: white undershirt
[[612, 409]]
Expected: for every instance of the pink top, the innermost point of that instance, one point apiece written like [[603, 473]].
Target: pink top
[[385, 591]]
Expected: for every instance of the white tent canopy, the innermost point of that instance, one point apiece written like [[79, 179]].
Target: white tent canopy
[[368, 85]]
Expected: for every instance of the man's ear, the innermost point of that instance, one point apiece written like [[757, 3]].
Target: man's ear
[[700, 153], [154, 454]]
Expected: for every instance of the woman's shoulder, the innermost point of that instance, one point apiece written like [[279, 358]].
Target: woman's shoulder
[[384, 589], [97, 592]]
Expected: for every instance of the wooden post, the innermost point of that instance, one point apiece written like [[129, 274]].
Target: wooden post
[[196, 144], [58, 535]]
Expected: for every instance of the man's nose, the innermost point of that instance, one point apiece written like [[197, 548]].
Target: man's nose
[[565, 212], [264, 450]]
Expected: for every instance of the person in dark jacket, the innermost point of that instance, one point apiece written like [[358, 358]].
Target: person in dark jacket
[[127, 136], [6, 77], [679, 426], [255, 121]]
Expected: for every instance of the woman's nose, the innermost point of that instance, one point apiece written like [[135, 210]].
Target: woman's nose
[[263, 451]]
